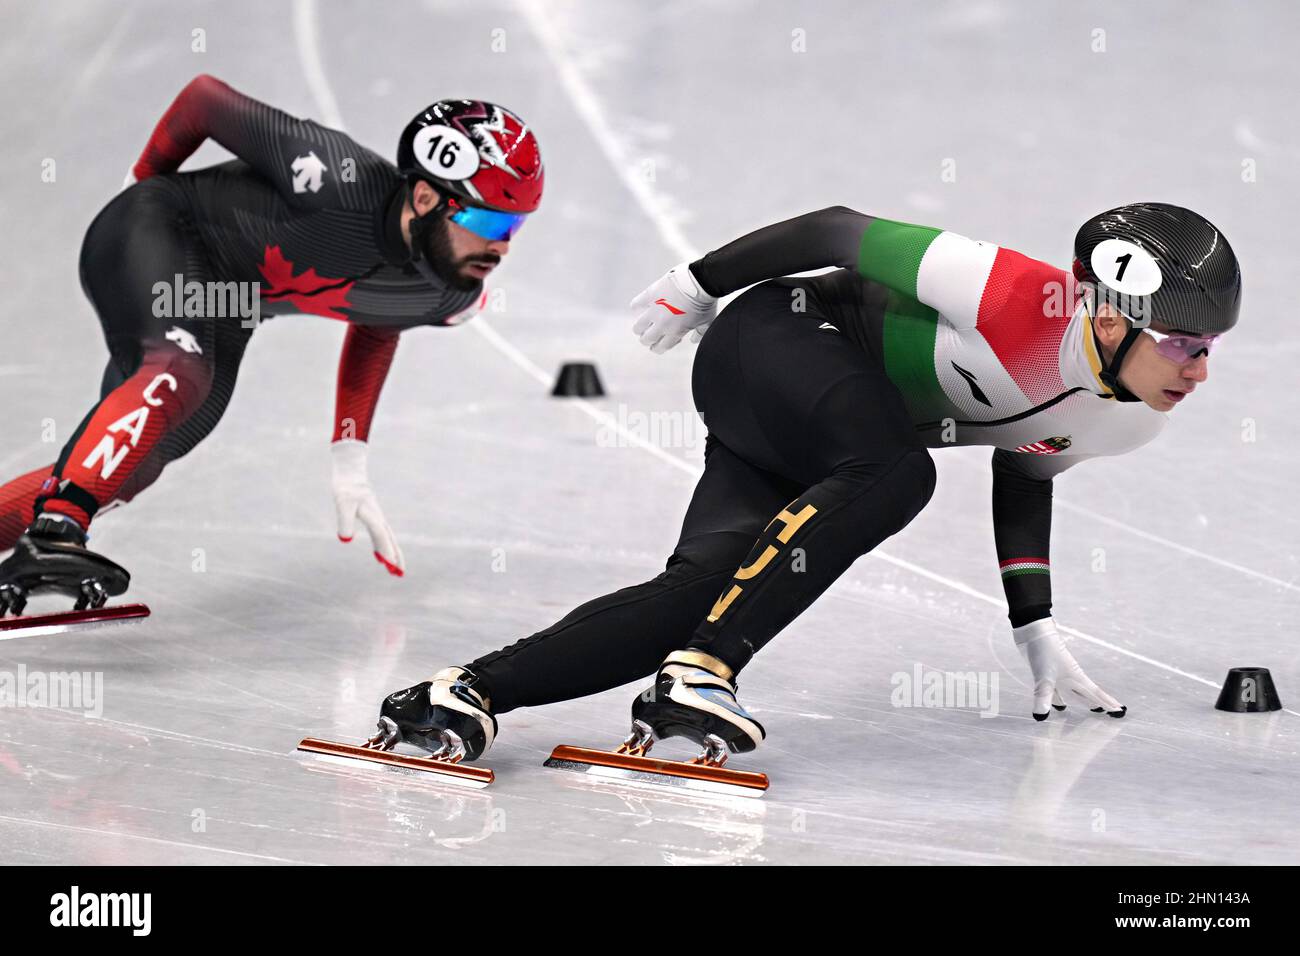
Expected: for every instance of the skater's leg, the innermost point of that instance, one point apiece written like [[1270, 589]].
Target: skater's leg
[[16, 500], [789, 391], [167, 382], [161, 369], [230, 339], [624, 635], [124, 429], [797, 421], [18, 497], [810, 404], [872, 490]]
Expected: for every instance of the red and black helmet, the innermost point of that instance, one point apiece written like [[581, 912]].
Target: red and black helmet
[[479, 152]]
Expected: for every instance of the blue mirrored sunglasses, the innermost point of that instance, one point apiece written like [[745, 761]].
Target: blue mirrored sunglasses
[[488, 223]]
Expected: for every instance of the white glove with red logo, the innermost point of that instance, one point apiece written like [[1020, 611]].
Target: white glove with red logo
[[354, 499], [1057, 675], [672, 306]]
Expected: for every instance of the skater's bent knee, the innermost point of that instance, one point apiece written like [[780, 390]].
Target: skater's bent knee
[[888, 499], [717, 552], [919, 464], [188, 374], [912, 479], [909, 476]]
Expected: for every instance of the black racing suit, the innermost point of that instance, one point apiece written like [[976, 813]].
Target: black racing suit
[[783, 399]]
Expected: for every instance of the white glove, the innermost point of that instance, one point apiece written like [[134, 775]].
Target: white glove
[[1057, 673], [354, 498], [672, 306]]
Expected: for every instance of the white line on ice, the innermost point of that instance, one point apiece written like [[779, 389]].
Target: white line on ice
[[1165, 542], [308, 42], [495, 339], [307, 39], [119, 834], [102, 57], [588, 107], [540, 20]]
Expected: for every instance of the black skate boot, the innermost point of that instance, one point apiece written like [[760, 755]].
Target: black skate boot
[[51, 557], [444, 715], [693, 697]]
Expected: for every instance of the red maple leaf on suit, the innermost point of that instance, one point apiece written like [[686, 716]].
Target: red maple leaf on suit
[[309, 292]]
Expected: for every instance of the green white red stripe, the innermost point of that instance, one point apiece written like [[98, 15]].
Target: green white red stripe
[[996, 323], [1018, 566]]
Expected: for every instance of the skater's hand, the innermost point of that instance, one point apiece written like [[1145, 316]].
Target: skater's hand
[[355, 500], [1057, 675], [674, 305]]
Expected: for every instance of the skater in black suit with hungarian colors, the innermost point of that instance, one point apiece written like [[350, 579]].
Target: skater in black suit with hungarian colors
[[181, 267], [823, 399]]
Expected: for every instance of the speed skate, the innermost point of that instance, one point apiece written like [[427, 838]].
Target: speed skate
[[693, 696], [628, 762], [378, 749], [51, 557], [443, 716], [33, 625]]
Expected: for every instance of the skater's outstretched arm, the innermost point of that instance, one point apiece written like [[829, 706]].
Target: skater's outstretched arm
[[1022, 532], [1022, 529], [942, 270], [279, 146], [927, 264], [816, 240], [363, 367], [685, 298]]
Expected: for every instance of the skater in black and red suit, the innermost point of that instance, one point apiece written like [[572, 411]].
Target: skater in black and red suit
[[305, 220]]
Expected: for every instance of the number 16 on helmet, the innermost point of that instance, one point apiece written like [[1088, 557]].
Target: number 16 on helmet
[[483, 160]]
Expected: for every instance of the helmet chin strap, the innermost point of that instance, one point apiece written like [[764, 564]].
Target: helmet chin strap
[[419, 228], [1109, 374]]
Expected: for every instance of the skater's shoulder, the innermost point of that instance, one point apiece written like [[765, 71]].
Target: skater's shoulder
[[1135, 424]]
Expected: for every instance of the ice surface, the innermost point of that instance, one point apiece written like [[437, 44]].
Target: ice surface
[[668, 128]]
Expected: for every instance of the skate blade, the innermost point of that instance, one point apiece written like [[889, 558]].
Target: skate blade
[[36, 624], [458, 773], [673, 773]]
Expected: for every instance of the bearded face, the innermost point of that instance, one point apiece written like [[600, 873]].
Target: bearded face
[[457, 257]]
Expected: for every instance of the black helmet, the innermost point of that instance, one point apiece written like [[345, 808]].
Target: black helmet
[[1161, 263]]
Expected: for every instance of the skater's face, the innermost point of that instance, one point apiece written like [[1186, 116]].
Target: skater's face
[[1159, 381], [460, 258], [473, 255]]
